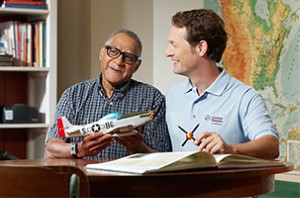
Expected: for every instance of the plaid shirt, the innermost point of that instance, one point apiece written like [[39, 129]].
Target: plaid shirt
[[85, 102]]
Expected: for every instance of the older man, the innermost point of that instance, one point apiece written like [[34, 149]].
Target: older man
[[113, 91]]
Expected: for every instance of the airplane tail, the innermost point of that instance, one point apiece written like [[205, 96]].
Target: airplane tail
[[62, 124]]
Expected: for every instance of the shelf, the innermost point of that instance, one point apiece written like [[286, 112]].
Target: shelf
[[24, 126], [31, 85], [24, 69], [21, 11]]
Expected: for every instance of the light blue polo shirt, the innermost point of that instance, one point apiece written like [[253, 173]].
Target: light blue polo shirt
[[229, 107]]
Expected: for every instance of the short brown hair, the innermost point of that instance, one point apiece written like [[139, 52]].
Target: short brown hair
[[203, 24]]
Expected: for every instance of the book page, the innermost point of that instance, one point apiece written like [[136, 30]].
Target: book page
[[220, 157], [141, 162], [243, 161], [196, 160]]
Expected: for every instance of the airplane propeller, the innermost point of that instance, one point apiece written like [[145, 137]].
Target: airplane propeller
[[189, 135]]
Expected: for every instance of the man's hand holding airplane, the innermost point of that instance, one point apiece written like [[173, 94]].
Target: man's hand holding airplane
[[133, 142], [93, 144], [96, 142]]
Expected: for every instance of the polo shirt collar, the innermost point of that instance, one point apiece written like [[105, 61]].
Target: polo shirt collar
[[188, 87], [216, 88]]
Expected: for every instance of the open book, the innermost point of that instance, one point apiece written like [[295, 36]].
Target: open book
[[141, 163]]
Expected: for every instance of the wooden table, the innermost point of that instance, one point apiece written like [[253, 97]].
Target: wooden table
[[207, 182]]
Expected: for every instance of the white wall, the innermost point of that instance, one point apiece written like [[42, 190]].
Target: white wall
[[73, 47], [163, 76], [151, 20], [85, 24], [110, 15]]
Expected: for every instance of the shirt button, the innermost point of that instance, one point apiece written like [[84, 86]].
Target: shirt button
[[111, 103], [194, 116]]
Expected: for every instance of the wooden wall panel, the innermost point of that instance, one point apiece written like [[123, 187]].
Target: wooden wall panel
[[13, 91]]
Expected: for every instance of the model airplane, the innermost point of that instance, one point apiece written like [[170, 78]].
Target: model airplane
[[106, 124]]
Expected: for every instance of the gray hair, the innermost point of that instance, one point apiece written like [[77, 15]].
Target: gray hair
[[131, 34]]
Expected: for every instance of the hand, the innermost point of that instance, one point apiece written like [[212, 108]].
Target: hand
[[212, 142], [133, 140], [93, 144]]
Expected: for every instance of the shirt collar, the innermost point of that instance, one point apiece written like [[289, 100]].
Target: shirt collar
[[188, 86], [220, 84], [216, 88], [122, 88]]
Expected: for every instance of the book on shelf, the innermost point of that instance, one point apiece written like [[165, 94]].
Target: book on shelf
[[23, 6], [6, 60], [39, 44], [27, 4], [141, 163], [25, 41], [7, 29], [6, 57]]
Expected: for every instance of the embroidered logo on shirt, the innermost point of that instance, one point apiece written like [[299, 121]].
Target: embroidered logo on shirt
[[214, 120]]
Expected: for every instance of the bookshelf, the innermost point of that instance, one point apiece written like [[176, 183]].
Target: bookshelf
[[31, 85]]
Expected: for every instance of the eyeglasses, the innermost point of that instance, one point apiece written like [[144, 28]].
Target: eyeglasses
[[114, 52]]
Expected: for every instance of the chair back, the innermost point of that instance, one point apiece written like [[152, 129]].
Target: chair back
[[43, 181]]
